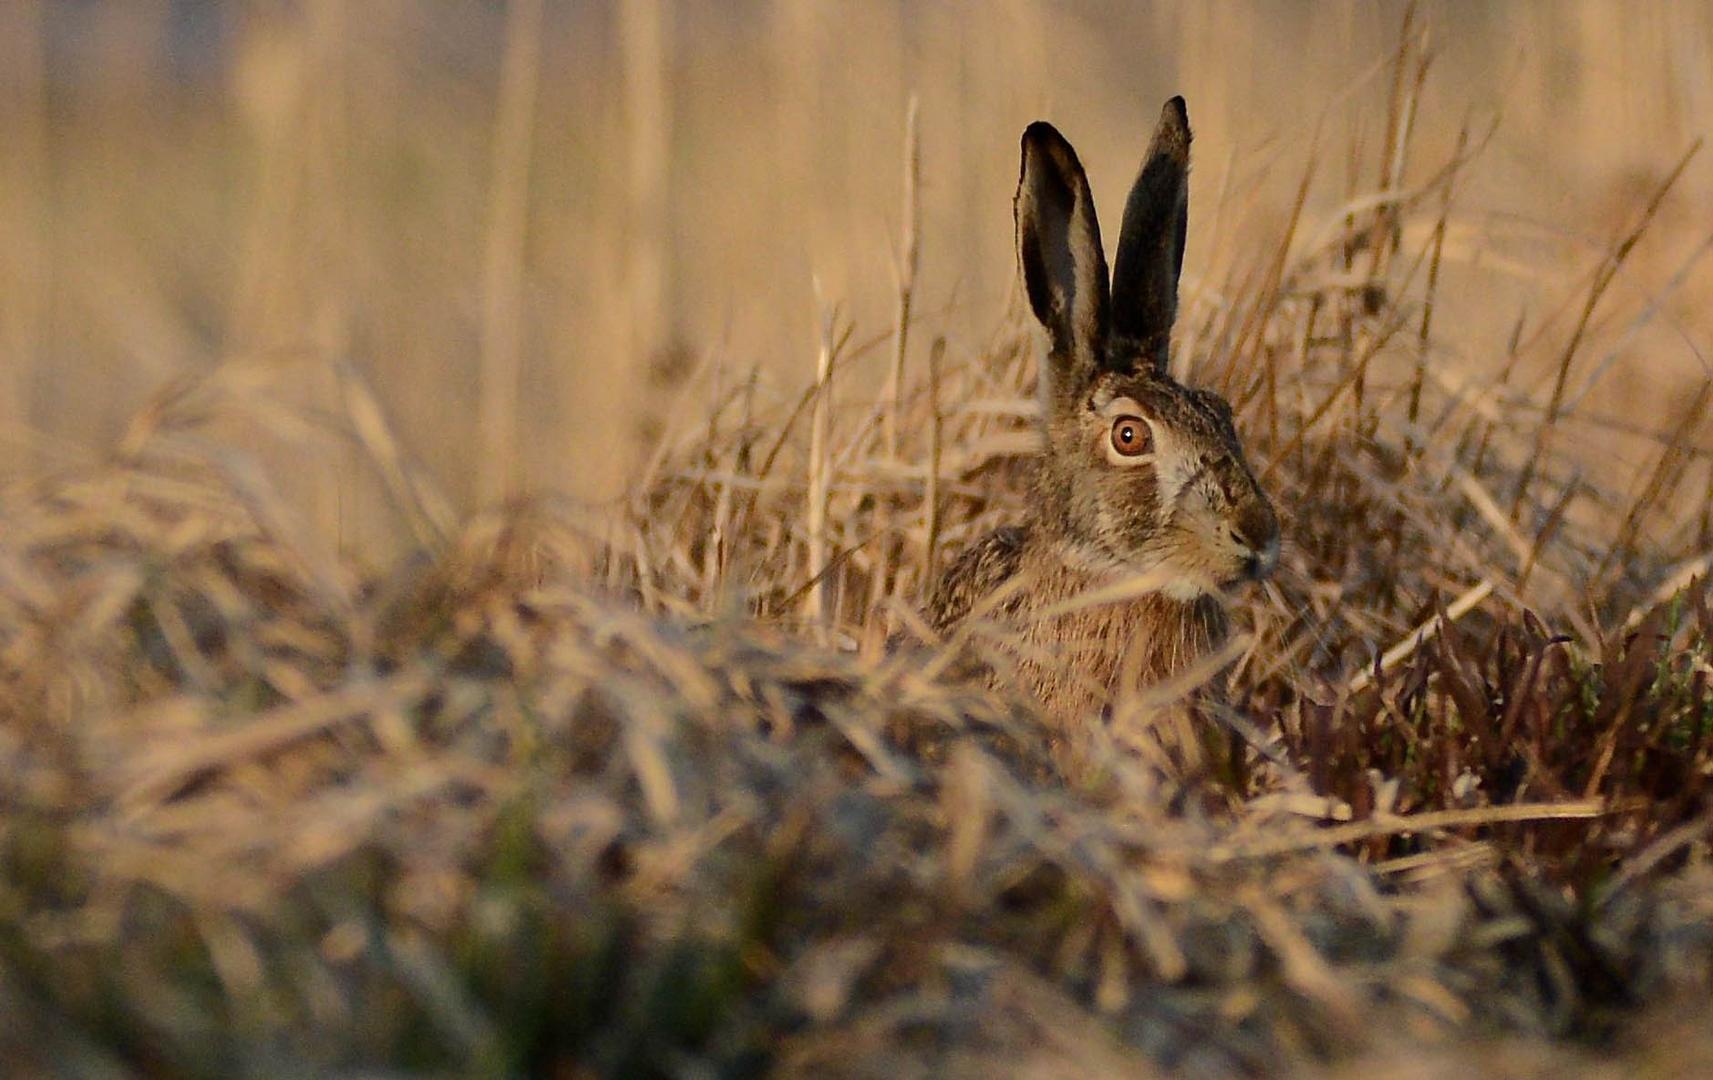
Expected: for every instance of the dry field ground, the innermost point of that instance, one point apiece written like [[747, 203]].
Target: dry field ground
[[471, 473]]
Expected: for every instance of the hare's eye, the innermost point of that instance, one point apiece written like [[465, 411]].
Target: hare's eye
[[1130, 436]]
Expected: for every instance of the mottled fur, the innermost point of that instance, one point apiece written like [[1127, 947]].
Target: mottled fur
[[1071, 662], [1188, 515]]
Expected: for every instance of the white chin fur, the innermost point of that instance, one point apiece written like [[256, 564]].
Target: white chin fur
[[1173, 585], [1183, 590]]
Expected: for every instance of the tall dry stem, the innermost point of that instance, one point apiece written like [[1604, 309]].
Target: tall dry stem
[[909, 256], [502, 264], [931, 489], [820, 609], [24, 268], [645, 27]]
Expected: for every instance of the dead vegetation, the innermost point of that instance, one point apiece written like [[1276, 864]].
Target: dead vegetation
[[647, 793]]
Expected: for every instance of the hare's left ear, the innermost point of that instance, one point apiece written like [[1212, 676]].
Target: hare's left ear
[[1059, 254], [1151, 241]]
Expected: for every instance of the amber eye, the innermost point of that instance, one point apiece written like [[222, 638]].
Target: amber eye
[[1130, 436]]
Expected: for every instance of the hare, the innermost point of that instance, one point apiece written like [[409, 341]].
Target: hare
[[1141, 479]]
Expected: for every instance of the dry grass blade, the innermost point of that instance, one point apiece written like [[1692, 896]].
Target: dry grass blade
[[1466, 602], [160, 772], [431, 517], [1335, 835]]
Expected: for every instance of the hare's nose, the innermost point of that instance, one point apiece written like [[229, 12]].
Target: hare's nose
[[1258, 535], [1260, 561]]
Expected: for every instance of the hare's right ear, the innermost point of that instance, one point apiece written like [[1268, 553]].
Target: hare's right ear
[[1151, 239], [1059, 253]]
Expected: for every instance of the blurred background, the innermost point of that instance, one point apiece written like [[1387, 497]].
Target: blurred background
[[521, 223]]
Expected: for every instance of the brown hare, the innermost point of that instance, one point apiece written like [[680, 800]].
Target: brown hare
[[1142, 479]]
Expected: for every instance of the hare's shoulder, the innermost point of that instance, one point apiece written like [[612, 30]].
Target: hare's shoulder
[[981, 568]]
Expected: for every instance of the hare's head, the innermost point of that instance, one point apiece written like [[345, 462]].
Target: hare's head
[[1140, 472]]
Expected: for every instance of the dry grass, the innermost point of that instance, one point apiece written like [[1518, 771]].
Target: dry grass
[[467, 817], [645, 791]]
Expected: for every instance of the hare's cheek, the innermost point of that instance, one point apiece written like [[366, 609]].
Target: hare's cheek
[[1121, 460], [1172, 487], [1174, 471]]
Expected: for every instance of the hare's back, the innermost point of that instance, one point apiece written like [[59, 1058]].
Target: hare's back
[[983, 567]]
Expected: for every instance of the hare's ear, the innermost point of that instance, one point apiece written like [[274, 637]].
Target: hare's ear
[[1151, 242], [1059, 253]]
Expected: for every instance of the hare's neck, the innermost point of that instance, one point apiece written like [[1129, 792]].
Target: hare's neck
[[1156, 635]]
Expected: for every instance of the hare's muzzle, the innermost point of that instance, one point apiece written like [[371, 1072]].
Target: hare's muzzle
[[1259, 563], [1257, 533]]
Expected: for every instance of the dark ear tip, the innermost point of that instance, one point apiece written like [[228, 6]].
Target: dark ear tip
[[1043, 144], [1172, 137], [1042, 137], [1040, 130]]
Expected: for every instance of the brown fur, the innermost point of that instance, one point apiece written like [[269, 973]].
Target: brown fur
[[1071, 662], [1188, 513]]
